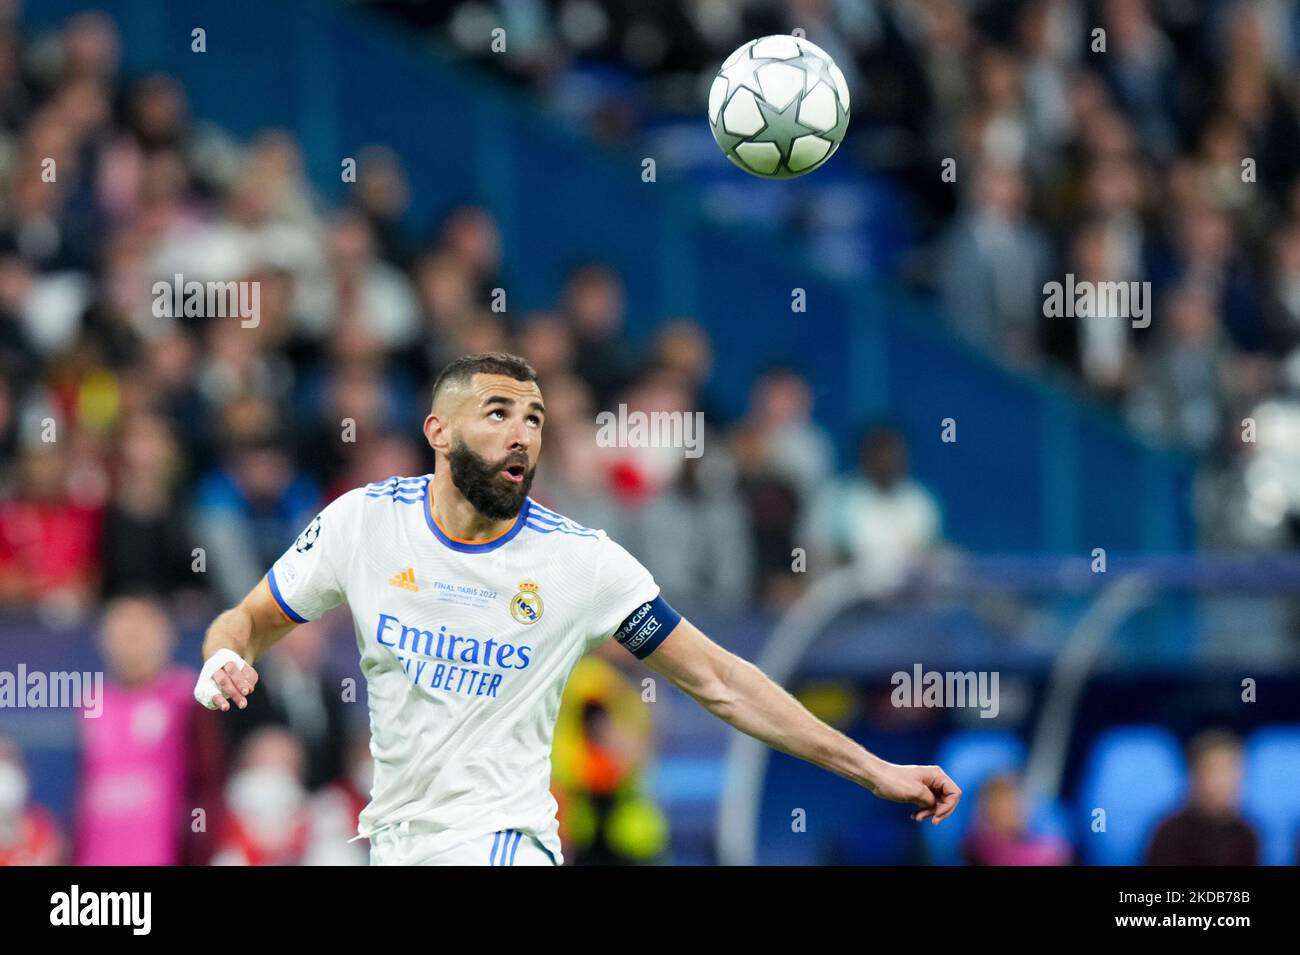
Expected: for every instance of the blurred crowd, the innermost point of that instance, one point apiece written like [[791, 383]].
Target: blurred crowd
[[178, 455], [1206, 828], [1142, 141]]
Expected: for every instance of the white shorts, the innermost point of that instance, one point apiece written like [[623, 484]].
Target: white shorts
[[403, 845]]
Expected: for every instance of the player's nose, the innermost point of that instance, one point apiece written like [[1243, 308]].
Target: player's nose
[[520, 436]]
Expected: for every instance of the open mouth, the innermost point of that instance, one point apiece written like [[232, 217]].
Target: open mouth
[[515, 473]]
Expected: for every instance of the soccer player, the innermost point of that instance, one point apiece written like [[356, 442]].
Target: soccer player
[[471, 604]]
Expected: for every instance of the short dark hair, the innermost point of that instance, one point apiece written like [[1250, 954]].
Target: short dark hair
[[466, 367], [1211, 741], [882, 432]]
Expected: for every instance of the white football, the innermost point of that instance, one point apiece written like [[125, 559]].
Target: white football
[[779, 107]]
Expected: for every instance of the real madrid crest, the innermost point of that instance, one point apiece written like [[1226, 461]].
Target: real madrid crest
[[526, 606]]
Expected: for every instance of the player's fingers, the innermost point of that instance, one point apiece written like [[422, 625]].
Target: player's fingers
[[226, 684], [948, 794], [243, 677], [948, 805], [219, 702], [246, 678]]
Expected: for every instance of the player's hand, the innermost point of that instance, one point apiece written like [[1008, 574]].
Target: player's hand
[[925, 786], [225, 676]]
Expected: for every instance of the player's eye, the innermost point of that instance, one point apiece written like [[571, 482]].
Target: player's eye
[[534, 419], [497, 411]]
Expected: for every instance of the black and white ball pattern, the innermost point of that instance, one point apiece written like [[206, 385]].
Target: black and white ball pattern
[[779, 107]]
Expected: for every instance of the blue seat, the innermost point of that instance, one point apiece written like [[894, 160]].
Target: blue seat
[[1271, 791], [1137, 775], [1051, 818], [970, 757]]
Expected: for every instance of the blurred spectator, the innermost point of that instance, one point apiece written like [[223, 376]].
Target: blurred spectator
[[19, 359], [1283, 295], [548, 345], [1184, 393], [774, 511], [49, 539], [471, 237], [795, 448], [649, 457], [881, 519], [1207, 256], [9, 426], [247, 513], [574, 475], [362, 401], [383, 196], [145, 548], [1242, 494], [785, 460], [167, 378], [696, 536], [1140, 67], [1000, 835], [684, 352], [268, 816], [236, 368], [357, 286], [379, 458], [993, 266], [594, 302], [448, 302], [336, 810], [29, 833], [149, 792], [601, 744], [1209, 829], [1098, 345], [157, 113]]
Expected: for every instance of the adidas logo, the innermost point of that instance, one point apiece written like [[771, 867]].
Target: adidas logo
[[405, 580]]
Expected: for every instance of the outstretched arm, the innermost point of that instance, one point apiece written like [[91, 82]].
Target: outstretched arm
[[736, 691]]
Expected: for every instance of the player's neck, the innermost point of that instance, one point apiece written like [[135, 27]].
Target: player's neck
[[458, 518]]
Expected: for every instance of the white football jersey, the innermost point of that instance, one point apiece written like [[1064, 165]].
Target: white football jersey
[[466, 647]]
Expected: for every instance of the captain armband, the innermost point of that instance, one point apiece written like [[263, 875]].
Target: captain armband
[[647, 626]]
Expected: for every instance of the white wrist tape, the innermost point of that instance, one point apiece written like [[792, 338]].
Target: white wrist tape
[[207, 688]]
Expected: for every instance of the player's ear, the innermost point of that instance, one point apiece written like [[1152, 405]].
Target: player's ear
[[435, 432]]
